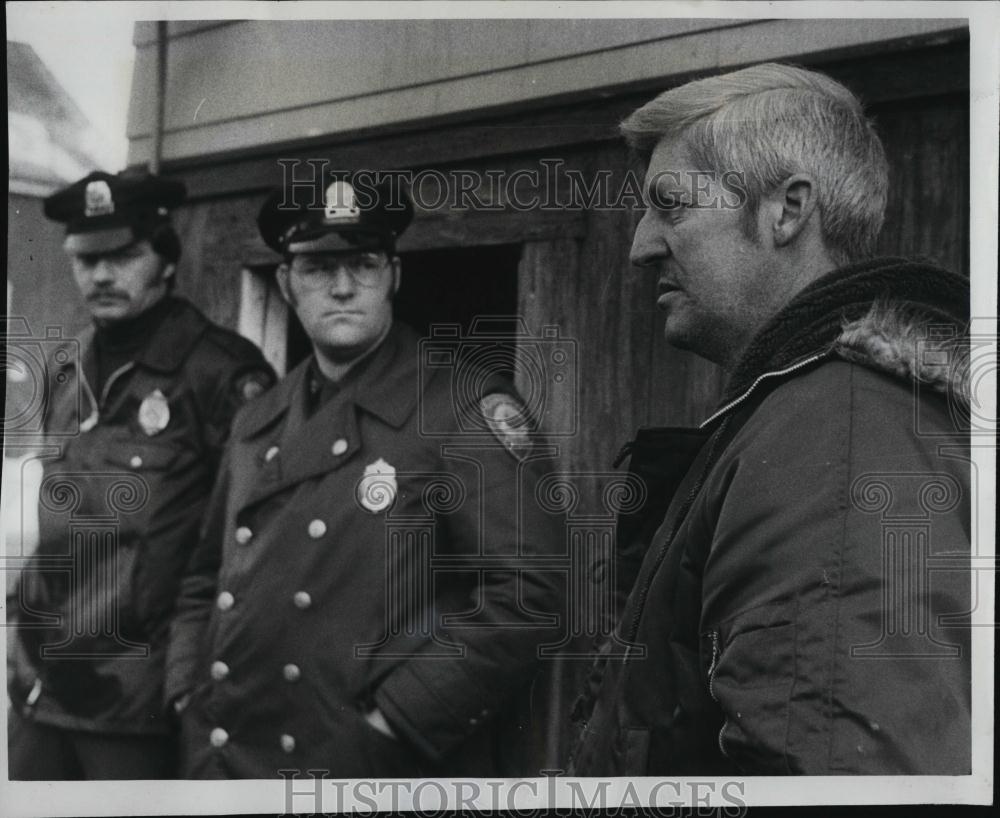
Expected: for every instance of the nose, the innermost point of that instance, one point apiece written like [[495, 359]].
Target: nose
[[342, 283], [649, 247], [102, 272]]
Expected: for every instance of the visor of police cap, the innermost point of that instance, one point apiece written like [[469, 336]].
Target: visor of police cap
[[335, 217], [103, 211]]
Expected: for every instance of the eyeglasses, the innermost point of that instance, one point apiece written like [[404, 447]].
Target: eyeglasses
[[365, 269]]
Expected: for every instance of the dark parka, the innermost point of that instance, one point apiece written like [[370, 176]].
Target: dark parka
[[119, 512], [317, 593], [784, 617]]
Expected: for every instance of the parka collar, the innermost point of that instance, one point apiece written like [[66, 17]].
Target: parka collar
[[811, 327]]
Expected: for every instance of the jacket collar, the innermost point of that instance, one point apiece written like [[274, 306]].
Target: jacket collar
[[174, 338], [168, 347], [386, 386]]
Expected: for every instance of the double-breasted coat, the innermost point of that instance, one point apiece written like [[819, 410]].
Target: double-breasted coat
[[379, 552]]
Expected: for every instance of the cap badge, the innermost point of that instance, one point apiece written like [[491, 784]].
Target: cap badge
[[377, 488], [98, 200], [154, 413], [340, 205]]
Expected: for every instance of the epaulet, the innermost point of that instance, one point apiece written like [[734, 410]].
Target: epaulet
[[248, 372], [232, 343]]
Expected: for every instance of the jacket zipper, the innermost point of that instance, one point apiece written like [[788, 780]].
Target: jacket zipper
[[91, 421], [623, 452], [689, 500], [111, 380], [756, 383], [34, 693], [713, 665]]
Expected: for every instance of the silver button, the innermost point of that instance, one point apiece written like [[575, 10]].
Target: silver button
[[339, 446], [225, 601], [302, 600], [270, 454], [218, 737], [243, 535], [292, 672], [288, 743], [317, 528], [135, 462], [220, 670]]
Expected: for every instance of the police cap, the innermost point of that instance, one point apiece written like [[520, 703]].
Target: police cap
[[103, 211], [335, 215]]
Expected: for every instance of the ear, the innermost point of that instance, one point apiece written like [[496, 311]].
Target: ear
[[794, 205], [281, 276], [397, 274]]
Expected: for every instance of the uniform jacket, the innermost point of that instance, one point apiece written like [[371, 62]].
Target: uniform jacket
[[356, 558], [126, 477], [784, 617]]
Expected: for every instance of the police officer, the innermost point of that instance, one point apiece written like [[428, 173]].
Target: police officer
[[137, 413], [364, 600]]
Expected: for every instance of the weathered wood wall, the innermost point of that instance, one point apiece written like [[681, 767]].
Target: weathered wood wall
[[928, 212]]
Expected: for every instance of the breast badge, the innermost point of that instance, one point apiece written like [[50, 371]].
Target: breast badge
[[377, 489], [154, 413], [507, 418]]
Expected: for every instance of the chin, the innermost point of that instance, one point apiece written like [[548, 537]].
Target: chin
[[109, 313], [346, 346], [343, 340], [677, 334]]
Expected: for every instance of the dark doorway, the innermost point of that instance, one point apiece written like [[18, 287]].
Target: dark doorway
[[458, 285], [454, 286]]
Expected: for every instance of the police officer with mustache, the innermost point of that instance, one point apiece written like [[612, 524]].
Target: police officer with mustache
[[136, 415]]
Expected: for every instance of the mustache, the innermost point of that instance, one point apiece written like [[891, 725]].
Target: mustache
[[104, 292]]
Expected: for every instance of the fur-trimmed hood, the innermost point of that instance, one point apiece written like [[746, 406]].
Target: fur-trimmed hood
[[896, 339]]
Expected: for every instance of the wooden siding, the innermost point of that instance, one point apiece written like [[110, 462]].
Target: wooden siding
[[928, 210], [254, 84]]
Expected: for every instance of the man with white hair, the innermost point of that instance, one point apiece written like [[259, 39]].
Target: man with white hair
[[786, 614]]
